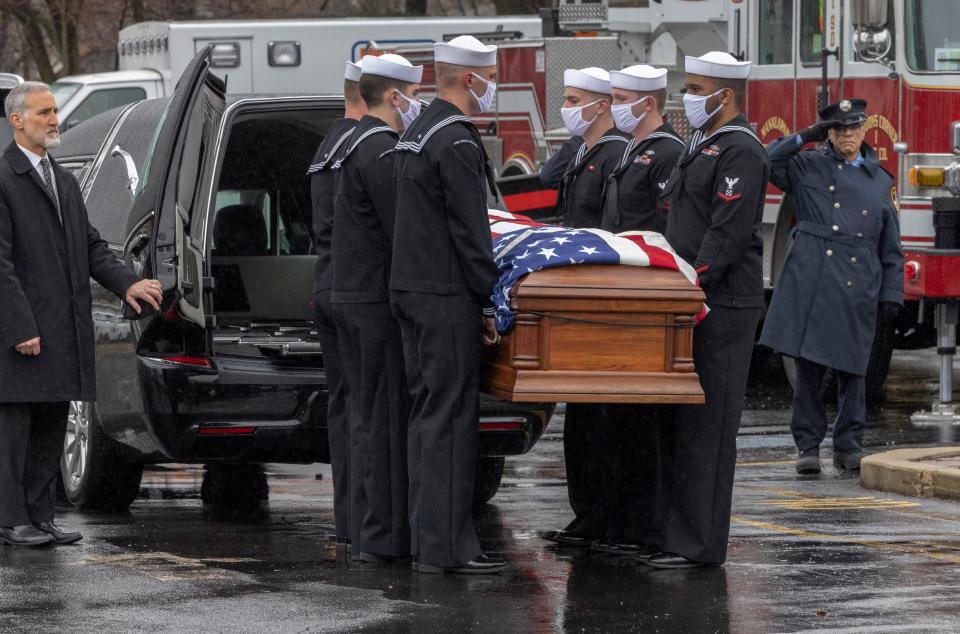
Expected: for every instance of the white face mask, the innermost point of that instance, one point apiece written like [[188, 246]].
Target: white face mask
[[413, 111], [623, 115], [696, 108], [485, 101], [573, 119]]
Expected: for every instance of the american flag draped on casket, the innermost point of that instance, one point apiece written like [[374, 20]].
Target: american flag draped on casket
[[522, 246], [591, 317]]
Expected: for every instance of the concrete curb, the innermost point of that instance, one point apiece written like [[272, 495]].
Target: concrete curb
[[911, 472]]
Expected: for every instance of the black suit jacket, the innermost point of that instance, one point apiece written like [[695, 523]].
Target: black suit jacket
[[45, 271]]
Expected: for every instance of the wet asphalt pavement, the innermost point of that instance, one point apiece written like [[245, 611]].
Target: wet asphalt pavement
[[805, 555]]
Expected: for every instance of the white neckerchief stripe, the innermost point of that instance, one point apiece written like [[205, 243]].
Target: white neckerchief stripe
[[410, 146], [604, 139], [698, 138], [316, 167], [358, 141], [633, 145]]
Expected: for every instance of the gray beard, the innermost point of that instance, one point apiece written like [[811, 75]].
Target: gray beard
[[51, 142]]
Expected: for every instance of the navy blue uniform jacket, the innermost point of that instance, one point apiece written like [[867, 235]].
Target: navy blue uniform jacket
[[845, 256]]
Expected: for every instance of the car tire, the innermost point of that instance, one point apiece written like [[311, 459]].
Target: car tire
[[92, 471], [489, 475]]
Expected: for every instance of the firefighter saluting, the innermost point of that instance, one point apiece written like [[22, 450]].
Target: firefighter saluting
[[845, 258]]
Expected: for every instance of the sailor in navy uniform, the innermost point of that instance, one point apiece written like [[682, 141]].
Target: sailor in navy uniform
[[323, 184], [369, 335], [631, 485], [845, 260], [631, 199], [586, 113], [716, 195], [441, 285], [587, 428]]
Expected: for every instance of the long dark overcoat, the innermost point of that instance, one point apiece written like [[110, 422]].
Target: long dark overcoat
[[845, 256], [45, 271]]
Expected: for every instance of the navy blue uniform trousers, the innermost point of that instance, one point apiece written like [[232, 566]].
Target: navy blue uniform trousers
[[809, 423]]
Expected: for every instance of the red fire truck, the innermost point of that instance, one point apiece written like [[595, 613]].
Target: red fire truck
[[902, 56]]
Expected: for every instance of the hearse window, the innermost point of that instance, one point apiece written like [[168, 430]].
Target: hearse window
[[109, 200], [775, 32], [258, 222]]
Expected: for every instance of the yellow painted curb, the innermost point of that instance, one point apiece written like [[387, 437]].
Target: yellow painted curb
[[912, 472]]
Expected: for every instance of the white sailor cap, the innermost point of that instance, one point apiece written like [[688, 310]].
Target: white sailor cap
[[717, 64], [639, 78], [352, 71], [465, 50], [392, 66], [593, 79]]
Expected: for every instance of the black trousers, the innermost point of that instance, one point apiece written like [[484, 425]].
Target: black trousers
[[338, 432], [633, 480], [373, 366], [612, 456], [586, 438], [31, 441], [700, 445], [441, 343], [809, 422]]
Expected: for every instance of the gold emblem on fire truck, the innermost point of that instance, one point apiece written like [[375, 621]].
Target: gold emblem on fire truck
[[845, 105]]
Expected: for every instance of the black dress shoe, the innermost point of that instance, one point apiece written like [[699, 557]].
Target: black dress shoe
[[621, 547], [24, 536], [568, 538], [808, 462], [847, 460], [61, 534], [673, 561], [480, 565]]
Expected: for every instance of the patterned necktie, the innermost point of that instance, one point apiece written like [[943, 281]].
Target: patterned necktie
[[48, 181]]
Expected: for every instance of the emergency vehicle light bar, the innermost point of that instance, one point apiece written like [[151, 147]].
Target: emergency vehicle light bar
[[947, 177]]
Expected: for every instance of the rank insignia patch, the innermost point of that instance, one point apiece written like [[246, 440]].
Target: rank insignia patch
[[712, 151], [643, 160], [731, 189]]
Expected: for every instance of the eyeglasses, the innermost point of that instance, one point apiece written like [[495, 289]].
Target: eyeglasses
[[853, 127]]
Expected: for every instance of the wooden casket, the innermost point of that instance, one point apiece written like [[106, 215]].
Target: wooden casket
[[599, 334]]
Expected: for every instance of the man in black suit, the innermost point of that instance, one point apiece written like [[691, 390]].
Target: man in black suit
[[48, 252]]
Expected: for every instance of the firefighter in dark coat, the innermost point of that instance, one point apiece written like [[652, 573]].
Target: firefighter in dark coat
[[48, 253], [716, 196], [631, 487], [587, 428], [323, 185], [441, 283], [369, 335], [844, 260]]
